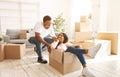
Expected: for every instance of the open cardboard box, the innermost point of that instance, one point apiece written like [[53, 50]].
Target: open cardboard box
[[14, 51], [1, 52], [64, 62]]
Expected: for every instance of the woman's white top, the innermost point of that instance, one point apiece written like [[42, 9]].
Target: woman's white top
[[61, 47]]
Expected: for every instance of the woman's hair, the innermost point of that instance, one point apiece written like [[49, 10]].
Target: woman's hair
[[65, 39]]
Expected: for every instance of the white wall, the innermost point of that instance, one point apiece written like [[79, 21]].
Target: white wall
[[106, 15], [95, 14], [113, 15], [103, 15], [54, 8]]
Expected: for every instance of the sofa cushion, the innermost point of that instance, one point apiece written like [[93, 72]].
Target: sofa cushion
[[18, 41], [14, 34]]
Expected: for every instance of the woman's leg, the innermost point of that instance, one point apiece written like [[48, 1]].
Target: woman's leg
[[82, 59], [79, 53], [76, 50]]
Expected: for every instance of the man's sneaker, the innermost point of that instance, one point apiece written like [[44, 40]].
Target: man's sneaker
[[87, 73], [93, 51], [41, 60]]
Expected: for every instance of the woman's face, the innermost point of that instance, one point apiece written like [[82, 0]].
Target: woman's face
[[61, 38]]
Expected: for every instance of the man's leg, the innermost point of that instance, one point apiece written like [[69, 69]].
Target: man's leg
[[33, 40], [48, 40]]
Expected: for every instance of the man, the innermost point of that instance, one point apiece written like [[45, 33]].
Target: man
[[42, 31]]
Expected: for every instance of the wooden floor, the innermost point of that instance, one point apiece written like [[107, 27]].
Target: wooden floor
[[28, 67]]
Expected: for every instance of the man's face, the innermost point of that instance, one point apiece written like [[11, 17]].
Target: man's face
[[47, 24]]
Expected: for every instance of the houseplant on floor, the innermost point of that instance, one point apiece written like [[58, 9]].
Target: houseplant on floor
[[59, 23], [0, 40]]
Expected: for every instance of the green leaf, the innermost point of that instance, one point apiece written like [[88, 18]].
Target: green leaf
[[0, 39], [59, 22]]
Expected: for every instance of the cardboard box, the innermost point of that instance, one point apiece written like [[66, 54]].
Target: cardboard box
[[23, 34], [64, 62], [77, 27], [1, 52], [14, 51], [103, 51], [82, 36], [83, 19], [85, 45], [85, 27], [115, 42]]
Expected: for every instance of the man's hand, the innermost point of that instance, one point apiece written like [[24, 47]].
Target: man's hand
[[54, 38]]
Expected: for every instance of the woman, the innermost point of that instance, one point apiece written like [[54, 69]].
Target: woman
[[62, 45]]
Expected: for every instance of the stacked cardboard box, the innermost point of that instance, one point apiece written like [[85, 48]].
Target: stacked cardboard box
[[82, 36], [64, 62], [1, 52], [14, 51], [77, 27], [83, 25], [83, 19]]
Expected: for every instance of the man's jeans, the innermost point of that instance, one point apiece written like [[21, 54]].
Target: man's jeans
[[78, 52], [33, 40]]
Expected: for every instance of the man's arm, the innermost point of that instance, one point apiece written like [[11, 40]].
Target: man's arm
[[37, 35], [39, 38]]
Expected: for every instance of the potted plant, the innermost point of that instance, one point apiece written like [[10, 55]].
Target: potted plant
[[58, 23], [0, 39]]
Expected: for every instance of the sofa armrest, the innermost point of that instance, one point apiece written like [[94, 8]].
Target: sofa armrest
[[6, 38]]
